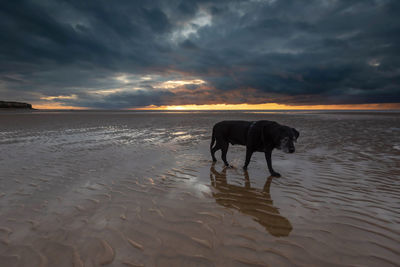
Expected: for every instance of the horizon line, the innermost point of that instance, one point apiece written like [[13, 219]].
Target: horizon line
[[205, 110], [233, 107]]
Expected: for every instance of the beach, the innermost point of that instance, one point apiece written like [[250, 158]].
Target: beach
[[130, 188]]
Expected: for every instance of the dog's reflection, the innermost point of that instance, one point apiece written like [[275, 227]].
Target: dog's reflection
[[254, 202]]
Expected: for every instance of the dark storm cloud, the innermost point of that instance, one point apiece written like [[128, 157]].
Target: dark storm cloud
[[285, 51], [118, 100]]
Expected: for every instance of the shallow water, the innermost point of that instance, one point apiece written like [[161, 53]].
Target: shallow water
[[139, 189]]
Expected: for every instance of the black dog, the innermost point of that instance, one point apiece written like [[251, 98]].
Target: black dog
[[257, 136]]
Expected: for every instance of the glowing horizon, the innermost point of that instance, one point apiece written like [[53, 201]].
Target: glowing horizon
[[245, 106], [273, 106]]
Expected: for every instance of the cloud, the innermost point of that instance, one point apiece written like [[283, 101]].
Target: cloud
[[118, 55]]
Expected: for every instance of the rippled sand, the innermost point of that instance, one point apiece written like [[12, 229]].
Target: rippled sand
[[139, 189]]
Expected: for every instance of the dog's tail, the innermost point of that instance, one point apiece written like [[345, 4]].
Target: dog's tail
[[212, 139]]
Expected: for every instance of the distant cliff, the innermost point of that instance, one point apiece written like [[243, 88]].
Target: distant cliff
[[10, 104]]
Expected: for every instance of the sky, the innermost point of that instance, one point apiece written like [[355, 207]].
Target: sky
[[196, 53]]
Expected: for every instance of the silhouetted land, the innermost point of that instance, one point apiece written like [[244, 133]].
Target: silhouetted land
[[11, 104]]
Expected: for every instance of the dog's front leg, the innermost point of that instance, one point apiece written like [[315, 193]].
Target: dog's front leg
[[269, 163]]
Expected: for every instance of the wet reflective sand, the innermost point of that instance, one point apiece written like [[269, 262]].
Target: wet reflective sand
[[253, 202], [139, 189]]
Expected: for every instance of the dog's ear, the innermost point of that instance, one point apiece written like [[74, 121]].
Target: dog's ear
[[296, 133]]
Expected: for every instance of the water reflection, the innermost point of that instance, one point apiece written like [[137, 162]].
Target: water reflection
[[254, 202]]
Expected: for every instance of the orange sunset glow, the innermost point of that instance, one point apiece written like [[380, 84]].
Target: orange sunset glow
[[57, 106], [266, 106], [274, 106]]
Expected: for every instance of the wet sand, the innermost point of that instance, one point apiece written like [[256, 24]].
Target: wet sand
[[139, 189]]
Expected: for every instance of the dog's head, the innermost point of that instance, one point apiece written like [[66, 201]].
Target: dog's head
[[286, 139]]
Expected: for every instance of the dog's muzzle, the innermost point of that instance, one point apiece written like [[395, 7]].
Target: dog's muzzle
[[287, 146]]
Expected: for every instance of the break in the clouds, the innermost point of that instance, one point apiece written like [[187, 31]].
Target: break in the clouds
[[121, 54]]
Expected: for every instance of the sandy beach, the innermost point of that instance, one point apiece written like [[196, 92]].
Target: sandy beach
[[105, 188]]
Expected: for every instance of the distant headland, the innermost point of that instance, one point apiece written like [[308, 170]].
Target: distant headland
[[14, 105]]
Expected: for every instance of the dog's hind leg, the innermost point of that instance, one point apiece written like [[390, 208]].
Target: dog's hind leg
[[213, 150], [224, 148], [249, 153]]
